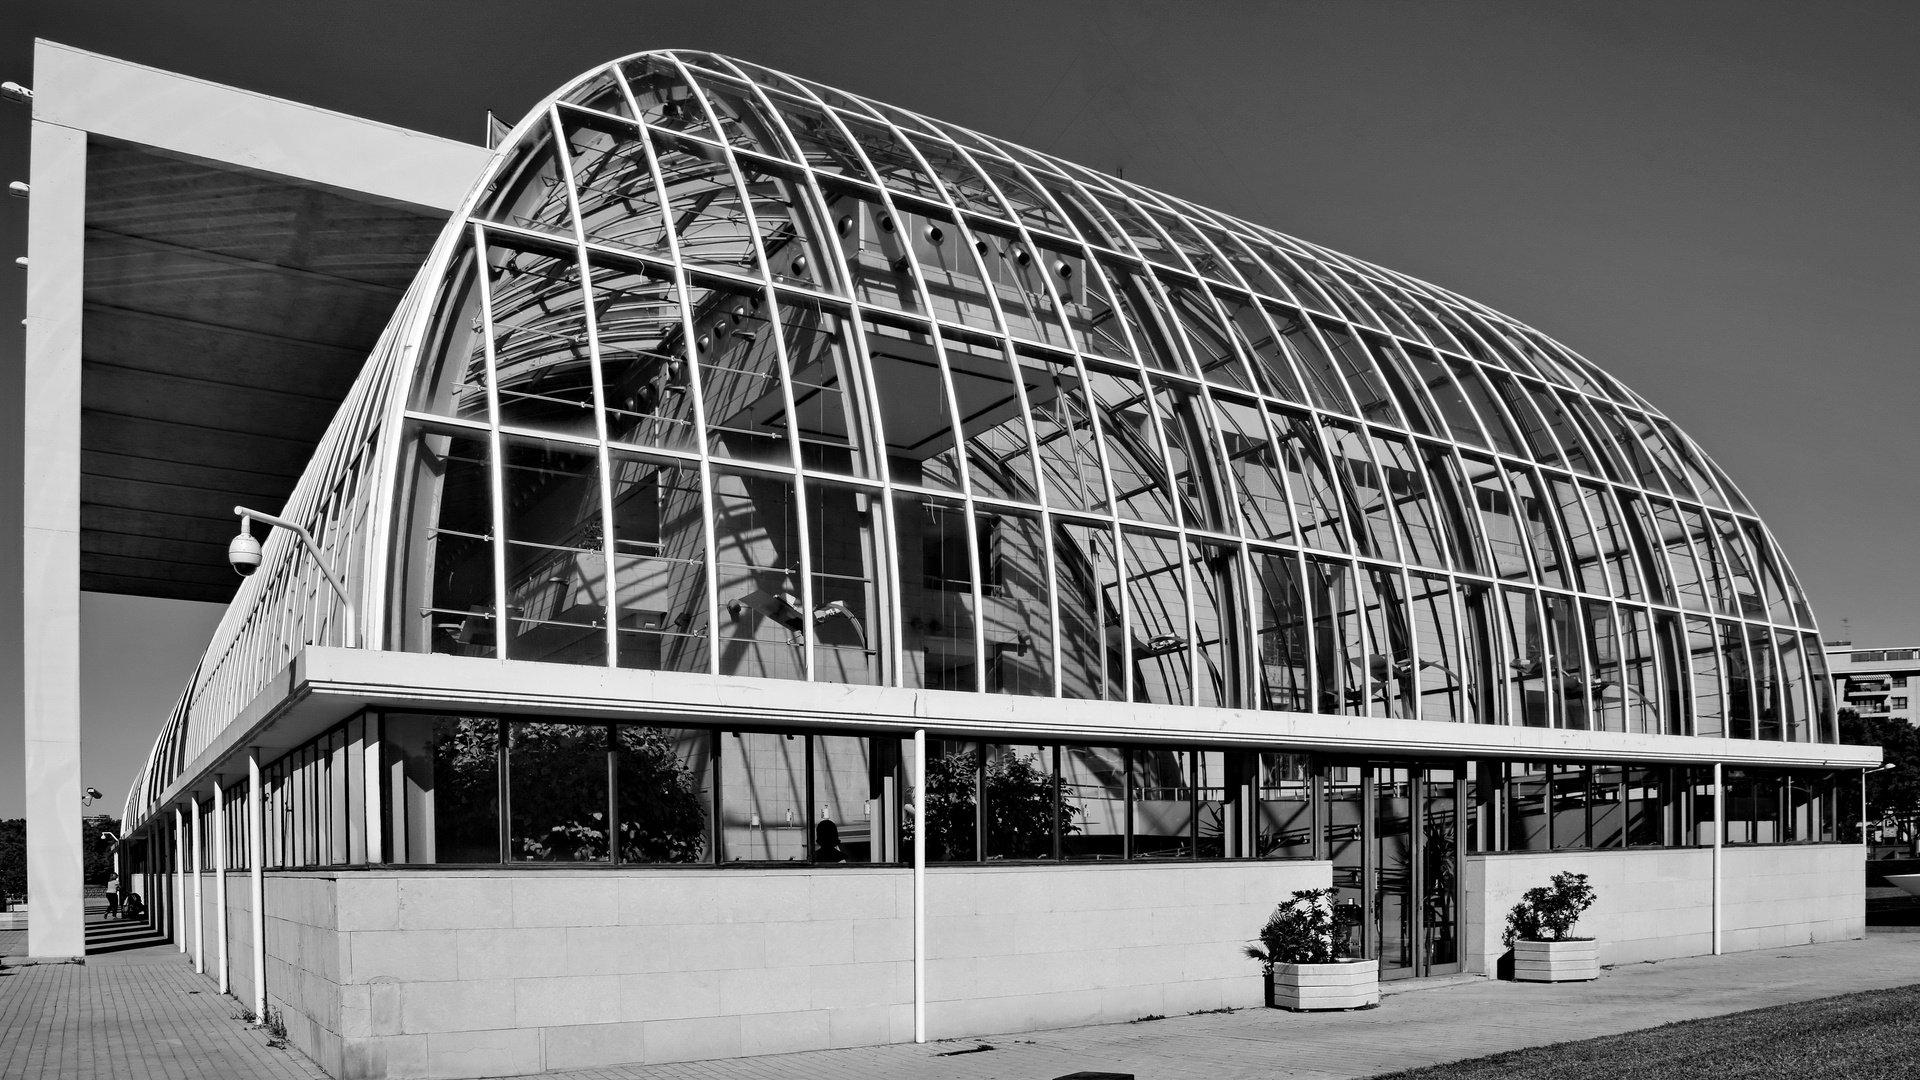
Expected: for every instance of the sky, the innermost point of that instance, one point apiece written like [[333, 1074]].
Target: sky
[[1719, 203]]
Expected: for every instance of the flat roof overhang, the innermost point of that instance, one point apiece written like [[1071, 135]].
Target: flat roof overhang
[[322, 686]]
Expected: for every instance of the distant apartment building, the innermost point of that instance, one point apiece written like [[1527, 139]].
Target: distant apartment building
[[1875, 682]]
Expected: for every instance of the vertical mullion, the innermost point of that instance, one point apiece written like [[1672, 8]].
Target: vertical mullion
[[496, 485]]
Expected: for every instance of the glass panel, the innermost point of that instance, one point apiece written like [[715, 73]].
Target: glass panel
[[1501, 525], [1157, 615], [1206, 336], [1473, 382], [1019, 283], [756, 571], [1629, 447], [1709, 716], [1316, 503], [956, 286], [1462, 526], [666, 793], [444, 598], [1638, 687], [1649, 547], [1261, 489], [557, 788], [1162, 810], [1092, 319], [543, 368], [1035, 211], [1273, 363], [1564, 431], [1338, 646], [1439, 885], [1527, 671], [791, 237], [1091, 660], [1345, 845], [1569, 670], [1063, 431], [825, 386], [822, 145], [1460, 421], [1740, 697], [1740, 569], [704, 202], [1363, 378], [664, 98], [556, 558], [1824, 720], [840, 541], [1013, 588], [1412, 504], [1021, 802], [740, 374], [1283, 633], [1093, 782], [851, 786], [763, 797], [1793, 688], [962, 182], [1766, 683], [1133, 450], [1571, 825], [1610, 693], [1608, 811], [875, 250], [1777, 600], [1286, 807], [530, 192], [1479, 620], [1316, 367], [643, 363], [1390, 667], [1215, 575], [1538, 517], [953, 800], [454, 381], [1190, 455], [1438, 649], [1611, 543], [1582, 543], [746, 123], [1393, 866], [1588, 428], [1645, 806], [1353, 464], [1147, 320], [894, 162], [914, 410], [936, 593], [601, 92], [449, 800], [1713, 570], [619, 204], [1686, 578], [660, 565]]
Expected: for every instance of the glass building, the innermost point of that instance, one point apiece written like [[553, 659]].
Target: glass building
[[754, 472]]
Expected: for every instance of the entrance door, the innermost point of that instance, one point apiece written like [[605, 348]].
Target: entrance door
[[1393, 837]]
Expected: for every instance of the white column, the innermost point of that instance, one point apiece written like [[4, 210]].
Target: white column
[[1719, 837], [256, 854], [199, 912], [179, 881], [920, 886], [371, 771], [220, 875], [50, 542]]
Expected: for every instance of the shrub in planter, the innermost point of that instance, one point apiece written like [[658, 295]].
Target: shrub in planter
[[1303, 955], [1540, 932]]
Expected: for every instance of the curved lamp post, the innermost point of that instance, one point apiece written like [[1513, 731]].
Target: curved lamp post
[[244, 555]]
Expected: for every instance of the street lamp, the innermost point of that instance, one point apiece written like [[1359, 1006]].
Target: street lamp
[[243, 554]]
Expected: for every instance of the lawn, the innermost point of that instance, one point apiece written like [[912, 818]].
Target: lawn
[[1863, 1036]]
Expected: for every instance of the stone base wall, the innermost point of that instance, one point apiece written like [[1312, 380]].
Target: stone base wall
[[1657, 903], [450, 973]]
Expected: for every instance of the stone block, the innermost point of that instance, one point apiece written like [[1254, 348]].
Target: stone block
[[615, 950], [368, 903], [556, 899], [666, 899], [523, 953], [785, 1032], [490, 1052], [383, 1008], [877, 940], [869, 1025], [716, 947], [589, 1046], [844, 986], [765, 990], [455, 902], [434, 1007], [798, 944], [669, 995], [569, 1000], [693, 1039], [412, 955]]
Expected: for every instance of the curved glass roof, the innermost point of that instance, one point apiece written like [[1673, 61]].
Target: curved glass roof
[[724, 371]]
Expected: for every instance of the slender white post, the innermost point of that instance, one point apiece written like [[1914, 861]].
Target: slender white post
[[256, 854], [371, 754], [220, 875], [920, 886], [199, 912], [1719, 836], [179, 880]]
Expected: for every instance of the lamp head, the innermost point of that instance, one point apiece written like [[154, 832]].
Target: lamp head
[[243, 554]]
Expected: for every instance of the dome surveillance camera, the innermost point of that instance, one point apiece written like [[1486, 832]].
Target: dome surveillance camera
[[243, 554]]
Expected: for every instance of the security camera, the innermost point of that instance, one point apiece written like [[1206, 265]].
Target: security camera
[[243, 554], [95, 793]]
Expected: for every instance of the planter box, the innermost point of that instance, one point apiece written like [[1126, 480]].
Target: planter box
[[1556, 961], [1344, 984]]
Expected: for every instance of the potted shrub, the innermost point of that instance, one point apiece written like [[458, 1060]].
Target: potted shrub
[[1540, 931], [1303, 955]]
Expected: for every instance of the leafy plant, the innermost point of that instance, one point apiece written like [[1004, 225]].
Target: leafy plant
[[1547, 913], [1307, 928], [1020, 807]]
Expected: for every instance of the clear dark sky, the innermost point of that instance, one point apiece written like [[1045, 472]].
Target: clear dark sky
[[1717, 202]]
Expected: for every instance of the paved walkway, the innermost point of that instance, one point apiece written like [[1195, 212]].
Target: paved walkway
[[142, 1013], [134, 1010]]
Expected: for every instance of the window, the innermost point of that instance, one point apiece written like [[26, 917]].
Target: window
[[1897, 703]]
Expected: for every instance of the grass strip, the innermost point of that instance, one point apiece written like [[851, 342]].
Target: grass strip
[[1874, 1035]]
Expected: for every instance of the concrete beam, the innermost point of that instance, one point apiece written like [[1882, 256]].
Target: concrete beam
[[200, 119], [50, 541]]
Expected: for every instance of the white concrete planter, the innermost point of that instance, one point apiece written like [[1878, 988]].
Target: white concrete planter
[[1556, 961], [1343, 984]]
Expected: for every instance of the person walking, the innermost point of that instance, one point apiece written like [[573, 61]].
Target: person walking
[[113, 896]]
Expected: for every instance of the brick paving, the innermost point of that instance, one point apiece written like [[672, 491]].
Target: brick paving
[[141, 1012], [133, 1010]]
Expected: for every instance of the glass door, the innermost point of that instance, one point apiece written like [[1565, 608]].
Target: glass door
[[1392, 834]]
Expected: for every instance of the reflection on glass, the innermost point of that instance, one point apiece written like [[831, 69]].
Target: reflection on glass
[[840, 542], [556, 558], [557, 791], [763, 799], [1161, 646], [1286, 807], [665, 789], [1163, 803], [1022, 802], [1092, 653], [936, 592], [445, 579], [1093, 781], [757, 576], [659, 565]]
